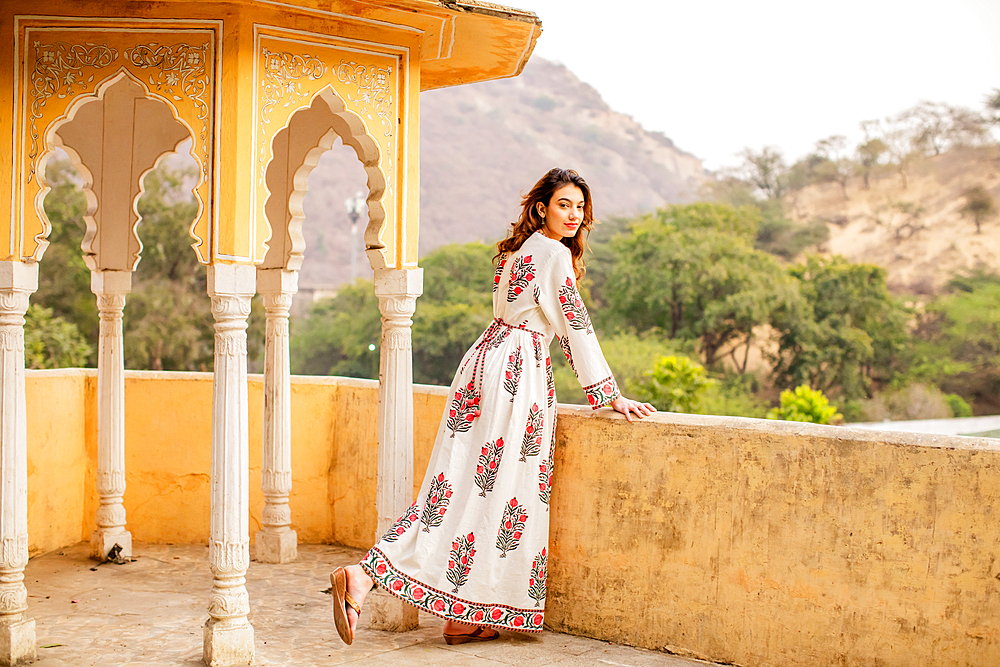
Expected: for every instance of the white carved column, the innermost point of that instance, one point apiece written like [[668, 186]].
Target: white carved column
[[17, 632], [228, 633], [110, 288], [276, 542], [397, 291]]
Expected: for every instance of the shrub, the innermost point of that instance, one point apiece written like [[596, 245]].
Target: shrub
[[675, 384], [959, 408], [52, 342], [805, 405]]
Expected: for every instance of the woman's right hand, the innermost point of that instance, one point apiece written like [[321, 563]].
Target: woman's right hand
[[627, 406]]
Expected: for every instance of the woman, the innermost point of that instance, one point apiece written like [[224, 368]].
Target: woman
[[473, 547]]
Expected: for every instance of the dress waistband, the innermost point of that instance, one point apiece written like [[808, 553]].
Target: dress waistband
[[497, 320], [491, 339]]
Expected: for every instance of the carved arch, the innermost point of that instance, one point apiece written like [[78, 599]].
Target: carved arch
[[93, 154], [296, 149]]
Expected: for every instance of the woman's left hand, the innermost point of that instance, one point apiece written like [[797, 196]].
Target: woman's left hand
[[627, 406]]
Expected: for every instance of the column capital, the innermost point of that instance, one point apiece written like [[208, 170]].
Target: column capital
[[110, 282], [232, 280], [399, 282], [19, 276], [277, 280]]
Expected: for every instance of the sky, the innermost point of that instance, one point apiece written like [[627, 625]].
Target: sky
[[717, 76]]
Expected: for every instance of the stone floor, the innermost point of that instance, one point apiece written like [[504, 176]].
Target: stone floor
[[151, 611]]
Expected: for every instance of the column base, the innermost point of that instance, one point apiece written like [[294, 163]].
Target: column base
[[101, 543], [17, 642], [281, 547], [227, 645], [389, 613]]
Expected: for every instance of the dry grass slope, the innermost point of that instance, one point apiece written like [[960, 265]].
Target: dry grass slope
[[917, 233]]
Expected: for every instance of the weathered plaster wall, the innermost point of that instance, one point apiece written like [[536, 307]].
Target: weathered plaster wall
[[773, 543], [746, 541], [62, 456]]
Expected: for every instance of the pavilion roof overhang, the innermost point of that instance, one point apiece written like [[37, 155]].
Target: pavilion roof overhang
[[461, 41]]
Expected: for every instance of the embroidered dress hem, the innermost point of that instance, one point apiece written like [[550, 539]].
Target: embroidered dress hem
[[445, 605]]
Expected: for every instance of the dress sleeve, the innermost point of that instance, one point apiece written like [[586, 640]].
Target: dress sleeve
[[562, 306]]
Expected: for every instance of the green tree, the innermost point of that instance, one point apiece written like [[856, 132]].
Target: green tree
[[63, 278], [837, 166], [675, 384], [52, 342], [962, 327], [849, 335], [979, 205], [341, 335], [456, 307], [869, 157], [691, 272], [766, 170], [805, 405], [629, 356], [168, 323]]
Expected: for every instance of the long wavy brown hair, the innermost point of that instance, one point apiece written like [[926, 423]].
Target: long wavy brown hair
[[530, 221]]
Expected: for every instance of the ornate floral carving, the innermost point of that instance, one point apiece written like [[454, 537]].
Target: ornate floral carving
[[277, 304], [374, 92], [227, 306], [281, 84], [276, 516], [229, 557], [180, 68], [111, 481], [234, 603], [276, 481], [13, 598], [14, 302], [14, 552], [230, 343], [12, 340], [111, 516], [59, 71], [398, 339]]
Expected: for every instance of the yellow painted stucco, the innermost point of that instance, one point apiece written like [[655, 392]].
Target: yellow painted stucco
[[62, 455], [234, 72], [746, 541]]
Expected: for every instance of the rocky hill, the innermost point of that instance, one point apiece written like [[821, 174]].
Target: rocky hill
[[483, 144], [917, 232]]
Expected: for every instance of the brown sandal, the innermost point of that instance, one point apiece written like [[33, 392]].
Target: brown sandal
[[341, 598], [474, 636]]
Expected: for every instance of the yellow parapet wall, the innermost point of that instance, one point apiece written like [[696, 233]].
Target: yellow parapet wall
[[746, 541], [168, 435], [776, 543]]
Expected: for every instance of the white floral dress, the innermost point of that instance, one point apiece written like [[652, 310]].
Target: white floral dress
[[473, 547]]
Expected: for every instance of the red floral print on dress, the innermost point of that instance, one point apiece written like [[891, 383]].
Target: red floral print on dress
[[536, 344], [602, 393], [550, 382], [544, 480], [438, 498], [568, 353], [401, 525], [464, 409], [533, 432], [444, 604], [460, 562], [539, 574], [499, 272], [512, 376], [489, 465], [573, 308], [521, 273], [511, 527]]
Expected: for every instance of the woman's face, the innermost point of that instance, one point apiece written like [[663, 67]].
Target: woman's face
[[564, 214]]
